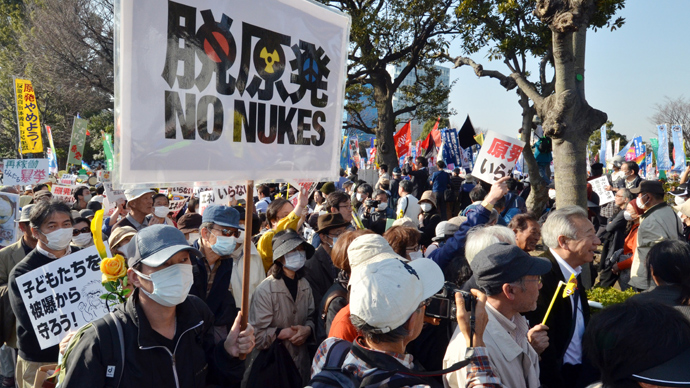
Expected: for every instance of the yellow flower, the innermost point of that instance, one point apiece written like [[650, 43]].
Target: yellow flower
[[113, 268]]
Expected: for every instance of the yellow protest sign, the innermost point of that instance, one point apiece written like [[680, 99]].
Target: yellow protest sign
[[28, 117]]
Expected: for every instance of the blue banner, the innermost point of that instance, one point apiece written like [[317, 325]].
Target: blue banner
[[663, 162], [451, 148], [602, 150], [345, 153], [643, 162], [679, 155]]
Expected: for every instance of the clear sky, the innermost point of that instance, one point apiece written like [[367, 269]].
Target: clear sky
[[628, 71]]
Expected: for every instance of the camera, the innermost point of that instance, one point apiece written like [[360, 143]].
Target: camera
[[442, 305], [371, 203]]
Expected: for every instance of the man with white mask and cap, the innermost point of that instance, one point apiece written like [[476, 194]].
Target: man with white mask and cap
[[160, 325]]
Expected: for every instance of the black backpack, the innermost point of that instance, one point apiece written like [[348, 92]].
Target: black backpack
[[545, 146], [389, 373]]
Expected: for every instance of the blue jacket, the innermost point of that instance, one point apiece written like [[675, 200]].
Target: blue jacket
[[439, 181], [455, 246]]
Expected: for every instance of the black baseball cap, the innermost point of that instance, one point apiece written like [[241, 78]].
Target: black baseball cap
[[503, 263], [652, 187]]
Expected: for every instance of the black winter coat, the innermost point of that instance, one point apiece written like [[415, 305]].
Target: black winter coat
[[190, 359]]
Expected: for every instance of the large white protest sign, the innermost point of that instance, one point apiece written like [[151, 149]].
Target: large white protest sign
[[64, 295], [63, 193], [599, 187], [214, 91], [497, 157], [25, 171], [68, 179], [206, 199], [9, 212]]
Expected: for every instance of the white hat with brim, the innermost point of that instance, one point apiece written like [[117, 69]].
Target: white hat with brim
[[370, 248], [385, 293], [132, 194]]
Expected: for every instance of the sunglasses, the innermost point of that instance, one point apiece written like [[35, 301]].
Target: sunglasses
[[77, 232], [228, 232]]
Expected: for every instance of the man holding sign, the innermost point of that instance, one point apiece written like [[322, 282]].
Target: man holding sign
[[572, 241], [167, 335], [51, 225]]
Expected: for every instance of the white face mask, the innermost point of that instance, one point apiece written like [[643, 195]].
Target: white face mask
[[679, 201], [627, 216], [383, 206], [240, 239], [552, 193], [295, 260], [128, 250], [161, 211], [193, 237], [59, 240], [224, 246], [171, 285], [416, 255], [360, 197], [87, 197], [425, 207], [639, 203], [82, 239]]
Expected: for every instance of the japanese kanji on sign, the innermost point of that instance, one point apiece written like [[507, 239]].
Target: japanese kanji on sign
[[76, 145], [497, 157], [206, 89], [64, 295], [599, 187], [25, 171], [28, 117], [63, 193]]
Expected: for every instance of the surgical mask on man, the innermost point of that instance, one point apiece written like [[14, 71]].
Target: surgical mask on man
[[161, 211], [679, 200], [87, 197], [425, 207], [171, 285], [82, 239], [416, 255], [59, 239], [294, 261], [552, 194], [193, 237], [224, 246], [627, 216], [360, 197], [383, 206], [640, 203]]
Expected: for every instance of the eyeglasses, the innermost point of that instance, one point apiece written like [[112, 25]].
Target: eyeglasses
[[413, 248], [227, 232], [77, 232], [538, 280], [344, 205]]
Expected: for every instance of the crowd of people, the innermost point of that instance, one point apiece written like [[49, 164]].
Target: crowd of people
[[425, 278]]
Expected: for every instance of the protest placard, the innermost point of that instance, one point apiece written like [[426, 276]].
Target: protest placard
[[599, 187], [64, 295], [9, 211], [103, 175], [63, 193], [206, 199], [259, 99], [68, 180], [76, 145], [497, 157], [28, 116], [25, 171], [113, 195]]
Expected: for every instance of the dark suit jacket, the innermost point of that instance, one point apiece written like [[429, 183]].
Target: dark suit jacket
[[560, 322]]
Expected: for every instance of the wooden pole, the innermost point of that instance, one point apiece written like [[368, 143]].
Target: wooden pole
[[246, 257]]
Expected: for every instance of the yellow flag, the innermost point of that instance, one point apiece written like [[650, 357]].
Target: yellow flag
[[570, 287], [480, 139], [96, 226]]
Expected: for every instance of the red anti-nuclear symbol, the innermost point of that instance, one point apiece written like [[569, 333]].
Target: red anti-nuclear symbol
[[208, 49]]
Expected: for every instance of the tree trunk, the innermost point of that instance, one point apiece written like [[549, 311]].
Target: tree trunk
[[567, 117], [539, 194], [385, 144]]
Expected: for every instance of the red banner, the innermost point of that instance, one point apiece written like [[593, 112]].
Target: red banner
[[403, 140]]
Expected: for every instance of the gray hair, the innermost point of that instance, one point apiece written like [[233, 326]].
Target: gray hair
[[560, 223], [626, 194], [481, 237], [493, 218]]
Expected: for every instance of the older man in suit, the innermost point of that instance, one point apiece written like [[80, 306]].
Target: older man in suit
[[571, 240]]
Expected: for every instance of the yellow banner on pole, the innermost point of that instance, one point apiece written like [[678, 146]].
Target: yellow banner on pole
[[30, 140]]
